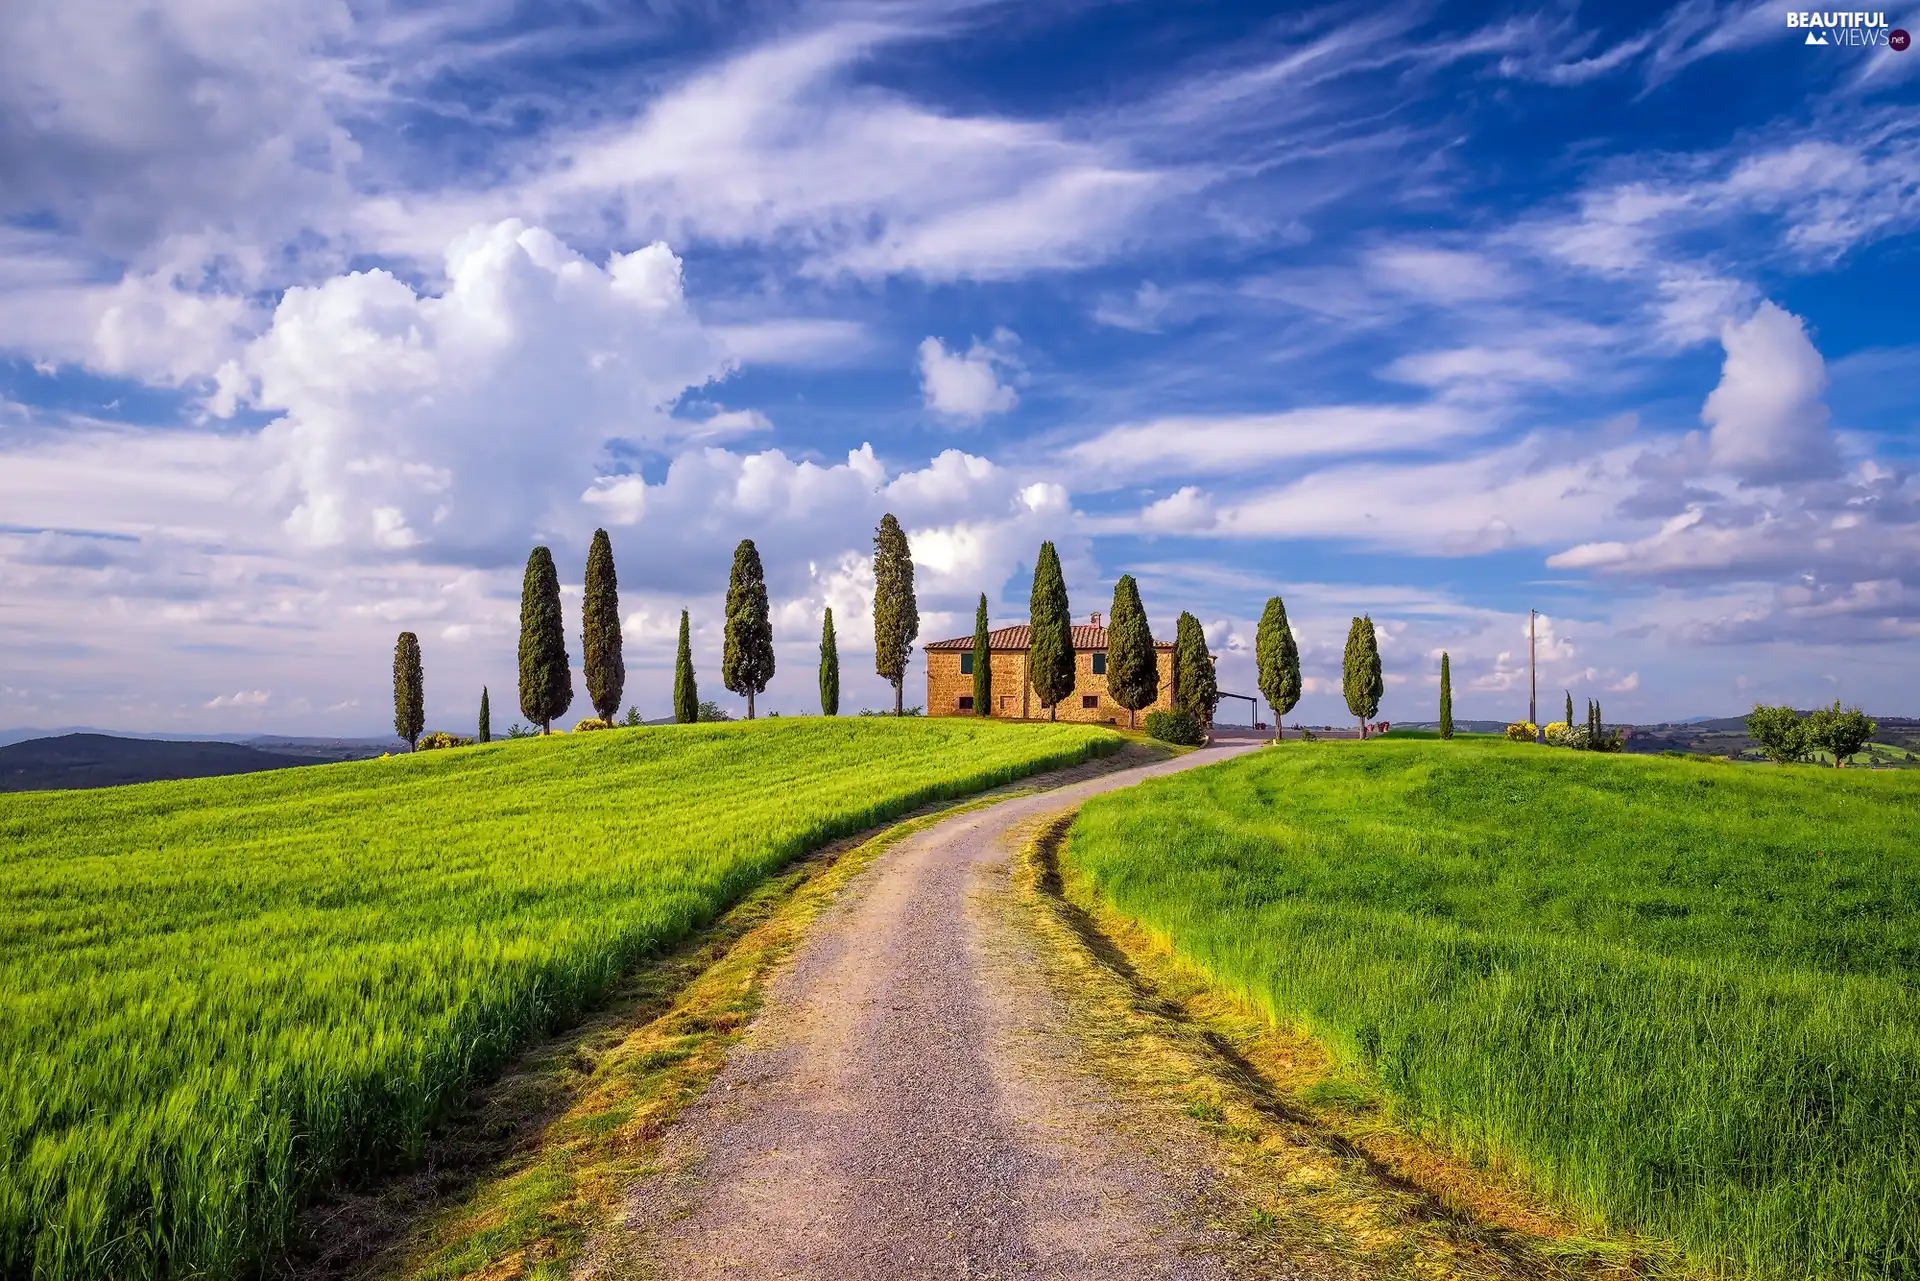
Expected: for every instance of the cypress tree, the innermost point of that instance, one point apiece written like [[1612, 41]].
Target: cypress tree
[[982, 662], [486, 719], [409, 694], [600, 630], [1133, 664], [1360, 672], [1446, 696], [896, 614], [1196, 690], [829, 667], [746, 661], [1277, 656], [1569, 709], [546, 679], [1049, 632], [686, 694]]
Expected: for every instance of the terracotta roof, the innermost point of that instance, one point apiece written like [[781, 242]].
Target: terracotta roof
[[1085, 636]]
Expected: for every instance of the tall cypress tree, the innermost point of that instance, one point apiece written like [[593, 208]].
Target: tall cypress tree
[[546, 679], [409, 694], [1049, 632], [1196, 690], [1446, 696], [1569, 717], [746, 661], [829, 667], [686, 694], [1360, 672], [982, 662], [600, 630], [486, 718], [896, 613], [1277, 656], [1133, 665]]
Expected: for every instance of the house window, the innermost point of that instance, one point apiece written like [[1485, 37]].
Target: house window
[[966, 662], [1089, 700], [966, 702], [1006, 701], [1100, 662]]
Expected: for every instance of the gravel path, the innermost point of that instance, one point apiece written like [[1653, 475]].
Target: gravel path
[[906, 1105]]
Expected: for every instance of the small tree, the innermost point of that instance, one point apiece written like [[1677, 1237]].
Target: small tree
[[409, 695], [1568, 720], [1841, 733], [746, 663], [546, 679], [1278, 658], [1133, 662], [1196, 689], [600, 630], [1049, 633], [686, 694], [829, 667], [1446, 695], [1779, 731], [1360, 678], [982, 661], [896, 614], [486, 718]]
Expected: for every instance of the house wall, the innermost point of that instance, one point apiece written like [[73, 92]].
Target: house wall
[[1014, 698]]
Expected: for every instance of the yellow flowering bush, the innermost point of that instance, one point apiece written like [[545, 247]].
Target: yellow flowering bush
[[592, 722], [1523, 731]]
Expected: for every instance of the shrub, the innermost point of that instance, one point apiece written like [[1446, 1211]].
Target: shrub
[[440, 738], [517, 730], [1177, 728], [712, 711], [591, 723], [1561, 734], [1522, 731]]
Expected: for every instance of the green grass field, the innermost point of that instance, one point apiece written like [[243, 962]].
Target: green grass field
[[217, 995], [1684, 996]]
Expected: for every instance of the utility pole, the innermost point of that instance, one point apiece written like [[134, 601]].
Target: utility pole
[[1533, 717]]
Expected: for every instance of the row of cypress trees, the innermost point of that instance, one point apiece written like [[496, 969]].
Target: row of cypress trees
[[747, 660], [747, 656]]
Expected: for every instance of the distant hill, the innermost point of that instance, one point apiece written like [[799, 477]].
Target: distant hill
[[104, 760]]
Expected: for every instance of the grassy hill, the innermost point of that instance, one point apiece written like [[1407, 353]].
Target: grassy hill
[[216, 995], [1684, 996]]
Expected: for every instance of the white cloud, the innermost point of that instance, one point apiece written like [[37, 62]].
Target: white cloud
[[1219, 444], [1767, 419], [241, 698], [1183, 511], [469, 419], [967, 385], [1479, 368]]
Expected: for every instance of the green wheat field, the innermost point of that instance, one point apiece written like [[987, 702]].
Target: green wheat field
[[217, 995], [1683, 996]]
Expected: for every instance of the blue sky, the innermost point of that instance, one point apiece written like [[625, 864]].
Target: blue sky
[[314, 317]]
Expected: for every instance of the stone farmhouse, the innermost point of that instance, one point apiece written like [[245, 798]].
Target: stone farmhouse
[[950, 677]]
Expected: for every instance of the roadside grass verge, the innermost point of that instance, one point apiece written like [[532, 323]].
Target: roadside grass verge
[[218, 996], [1316, 1174], [1678, 999]]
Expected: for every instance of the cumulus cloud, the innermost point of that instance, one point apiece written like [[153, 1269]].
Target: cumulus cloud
[[1183, 511], [968, 385], [1767, 419], [468, 419]]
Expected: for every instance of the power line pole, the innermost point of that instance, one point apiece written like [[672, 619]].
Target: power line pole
[[1533, 717]]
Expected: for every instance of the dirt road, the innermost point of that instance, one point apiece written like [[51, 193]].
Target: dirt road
[[906, 1105]]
